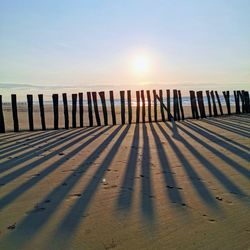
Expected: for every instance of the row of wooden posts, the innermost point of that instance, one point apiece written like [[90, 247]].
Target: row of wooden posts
[[198, 111]]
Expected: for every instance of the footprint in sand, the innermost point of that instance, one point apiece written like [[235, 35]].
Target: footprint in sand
[[12, 227], [212, 220], [73, 196]]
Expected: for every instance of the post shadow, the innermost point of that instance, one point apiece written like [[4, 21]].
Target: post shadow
[[58, 194]]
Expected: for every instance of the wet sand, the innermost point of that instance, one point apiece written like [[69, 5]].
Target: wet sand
[[146, 186]]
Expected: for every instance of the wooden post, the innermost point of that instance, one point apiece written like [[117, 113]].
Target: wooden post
[[30, 111], [81, 109], [90, 109], [209, 103], [122, 95], [112, 103], [180, 103], [246, 97], [149, 106], [194, 108], [14, 112], [55, 108], [242, 98], [143, 106], [168, 104], [162, 109], [97, 116], [137, 106], [226, 95], [163, 105], [65, 111], [2, 125], [176, 106], [237, 102], [104, 107], [42, 114], [214, 103], [155, 105], [74, 105], [129, 107], [218, 99], [201, 104]]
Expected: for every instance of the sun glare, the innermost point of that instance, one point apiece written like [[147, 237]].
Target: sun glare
[[141, 64]]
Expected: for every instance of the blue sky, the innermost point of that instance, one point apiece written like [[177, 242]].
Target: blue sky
[[94, 42]]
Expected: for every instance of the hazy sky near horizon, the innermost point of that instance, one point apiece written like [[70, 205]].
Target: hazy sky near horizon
[[95, 42]]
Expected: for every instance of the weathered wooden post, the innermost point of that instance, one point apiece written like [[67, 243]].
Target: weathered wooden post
[[14, 112], [129, 107], [104, 107], [137, 106], [209, 103], [168, 104], [214, 103], [162, 109], [242, 98], [218, 99], [149, 106], [30, 111], [226, 95], [112, 104], [176, 106], [90, 109], [201, 104], [194, 108], [55, 108], [74, 105], [42, 114], [237, 102], [246, 97], [97, 116], [65, 111], [81, 109], [181, 107], [155, 106], [2, 124], [143, 106], [122, 95]]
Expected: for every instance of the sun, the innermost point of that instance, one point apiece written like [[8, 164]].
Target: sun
[[141, 64]]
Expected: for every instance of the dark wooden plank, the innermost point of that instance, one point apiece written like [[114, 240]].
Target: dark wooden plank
[[201, 104], [122, 96], [194, 108], [176, 106], [155, 106], [90, 109], [214, 103], [129, 107], [80, 95], [181, 106], [14, 112], [168, 104], [30, 112], [246, 97], [164, 106], [55, 109], [104, 107], [149, 106], [2, 124], [162, 109], [226, 95], [237, 102], [143, 106], [209, 103], [65, 111], [137, 106], [42, 113], [97, 116], [112, 103], [219, 102], [74, 107]]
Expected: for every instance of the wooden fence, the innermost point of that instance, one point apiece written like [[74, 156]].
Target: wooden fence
[[241, 99]]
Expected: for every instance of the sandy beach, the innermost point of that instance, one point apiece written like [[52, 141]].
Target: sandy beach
[[144, 186]]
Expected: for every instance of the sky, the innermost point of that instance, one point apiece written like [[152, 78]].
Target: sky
[[182, 43]]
